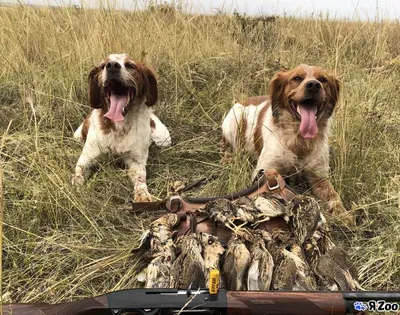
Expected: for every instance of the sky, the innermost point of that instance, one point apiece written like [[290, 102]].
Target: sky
[[353, 9]]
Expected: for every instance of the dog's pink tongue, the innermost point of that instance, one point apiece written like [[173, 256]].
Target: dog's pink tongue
[[308, 124], [117, 104]]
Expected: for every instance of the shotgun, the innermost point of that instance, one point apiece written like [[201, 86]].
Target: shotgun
[[174, 301]]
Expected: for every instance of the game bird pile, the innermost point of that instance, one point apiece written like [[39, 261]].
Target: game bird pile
[[300, 256]]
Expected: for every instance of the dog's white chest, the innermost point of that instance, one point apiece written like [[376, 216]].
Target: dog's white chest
[[133, 136], [136, 136]]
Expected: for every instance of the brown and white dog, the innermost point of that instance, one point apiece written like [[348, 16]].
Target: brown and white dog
[[288, 131], [121, 91]]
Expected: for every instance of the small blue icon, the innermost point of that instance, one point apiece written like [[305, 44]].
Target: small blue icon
[[360, 306]]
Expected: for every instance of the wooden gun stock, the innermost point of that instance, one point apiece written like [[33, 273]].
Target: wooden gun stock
[[173, 301], [274, 302]]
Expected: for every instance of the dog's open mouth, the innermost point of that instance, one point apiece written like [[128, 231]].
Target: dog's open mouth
[[307, 112], [119, 97]]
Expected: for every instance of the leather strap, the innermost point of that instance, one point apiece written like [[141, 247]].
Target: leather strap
[[276, 184], [214, 228], [193, 222], [139, 207], [271, 182], [196, 184], [205, 225]]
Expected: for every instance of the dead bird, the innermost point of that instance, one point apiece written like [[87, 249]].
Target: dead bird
[[219, 210], [222, 212], [261, 268], [162, 227], [244, 209], [157, 273], [331, 263], [284, 276], [291, 269], [305, 215], [157, 236], [236, 261], [317, 244], [188, 269], [305, 277], [343, 264], [330, 275], [339, 256], [269, 207], [212, 252], [280, 239]]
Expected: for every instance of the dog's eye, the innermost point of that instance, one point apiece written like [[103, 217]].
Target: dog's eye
[[129, 65], [297, 78], [322, 80]]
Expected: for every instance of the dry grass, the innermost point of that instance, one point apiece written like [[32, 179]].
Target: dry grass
[[61, 244]]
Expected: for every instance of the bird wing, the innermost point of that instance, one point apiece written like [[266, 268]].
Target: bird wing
[[235, 264], [196, 270], [229, 270], [176, 271], [340, 279], [285, 275], [342, 259], [305, 218], [267, 269], [253, 276]]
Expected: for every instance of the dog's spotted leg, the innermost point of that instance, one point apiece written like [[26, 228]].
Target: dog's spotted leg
[[265, 162], [87, 158], [137, 173]]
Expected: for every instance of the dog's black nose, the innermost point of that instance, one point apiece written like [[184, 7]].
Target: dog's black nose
[[313, 86], [113, 66]]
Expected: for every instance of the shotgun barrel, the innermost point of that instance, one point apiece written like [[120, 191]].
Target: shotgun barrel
[[174, 301]]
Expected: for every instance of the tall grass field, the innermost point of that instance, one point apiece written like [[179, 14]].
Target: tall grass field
[[61, 243]]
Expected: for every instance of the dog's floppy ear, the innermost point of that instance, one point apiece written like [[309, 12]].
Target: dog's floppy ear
[[276, 87], [94, 89], [334, 87], [150, 85]]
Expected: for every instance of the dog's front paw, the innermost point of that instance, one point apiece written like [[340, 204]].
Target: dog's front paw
[[78, 180], [347, 218], [142, 195], [336, 207]]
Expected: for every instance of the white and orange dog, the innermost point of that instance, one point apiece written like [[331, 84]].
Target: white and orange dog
[[288, 130], [122, 123]]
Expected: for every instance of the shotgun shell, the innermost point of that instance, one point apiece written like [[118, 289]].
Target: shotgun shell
[[213, 284]]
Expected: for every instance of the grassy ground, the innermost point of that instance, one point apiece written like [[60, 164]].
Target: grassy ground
[[61, 244]]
